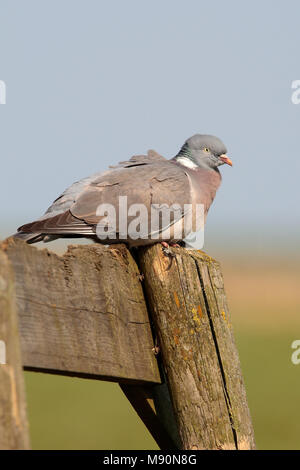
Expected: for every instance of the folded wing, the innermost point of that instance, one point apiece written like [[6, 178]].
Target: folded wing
[[147, 180]]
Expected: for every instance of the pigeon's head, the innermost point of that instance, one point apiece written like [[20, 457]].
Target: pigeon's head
[[203, 151]]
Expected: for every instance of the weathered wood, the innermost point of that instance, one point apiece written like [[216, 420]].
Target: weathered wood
[[212, 284], [13, 420], [143, 400], [83, 313], [186, 298]]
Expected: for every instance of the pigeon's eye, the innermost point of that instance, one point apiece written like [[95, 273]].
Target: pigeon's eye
[[206, 149]]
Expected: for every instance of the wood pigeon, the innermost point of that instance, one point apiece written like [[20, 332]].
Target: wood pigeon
[[191, 177]]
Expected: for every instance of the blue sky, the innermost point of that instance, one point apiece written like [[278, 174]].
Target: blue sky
[[90, 83]]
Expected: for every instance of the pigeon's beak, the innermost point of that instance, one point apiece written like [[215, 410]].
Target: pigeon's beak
[[225, 159]]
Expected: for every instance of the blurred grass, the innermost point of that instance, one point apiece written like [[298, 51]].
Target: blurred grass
[[72, 413], [264, 300], [273, 387], [69, 413]]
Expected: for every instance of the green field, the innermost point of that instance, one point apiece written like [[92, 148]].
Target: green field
[[273, 387], [70, 413]]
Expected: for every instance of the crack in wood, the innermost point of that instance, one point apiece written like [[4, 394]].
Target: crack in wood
[[226, 394], [79, 309]]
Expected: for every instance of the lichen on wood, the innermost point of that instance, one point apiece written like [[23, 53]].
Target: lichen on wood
[[187, 303]]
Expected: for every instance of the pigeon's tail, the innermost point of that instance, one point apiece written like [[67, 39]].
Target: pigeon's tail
[[29, 237], [34, 237]]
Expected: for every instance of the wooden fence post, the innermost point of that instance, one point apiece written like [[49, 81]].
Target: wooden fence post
[[13, 421], [85, 314], [186, 298]]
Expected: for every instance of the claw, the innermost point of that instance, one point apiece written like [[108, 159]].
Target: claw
[[168, 252], [165, 244], [166, 249]]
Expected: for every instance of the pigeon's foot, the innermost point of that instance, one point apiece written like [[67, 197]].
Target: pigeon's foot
[[166, 249], [172, 244], [165, 244], [167, 252]]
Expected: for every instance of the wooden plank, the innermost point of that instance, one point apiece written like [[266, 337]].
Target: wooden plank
[[83, 313], [196, 349], [13, 421]]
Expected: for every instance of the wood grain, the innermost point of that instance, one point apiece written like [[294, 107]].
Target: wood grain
[[86, 314], [13, 420], [186, 298], [83, 313]]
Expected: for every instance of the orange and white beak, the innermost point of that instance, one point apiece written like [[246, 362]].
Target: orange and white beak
[[225, 159]]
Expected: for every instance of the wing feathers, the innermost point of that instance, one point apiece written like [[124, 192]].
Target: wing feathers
[[144, 180], [61, 223]]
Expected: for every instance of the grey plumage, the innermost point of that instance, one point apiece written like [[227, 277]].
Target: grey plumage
[[192, 176]]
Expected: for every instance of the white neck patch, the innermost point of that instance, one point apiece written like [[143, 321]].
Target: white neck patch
[[186, 162]]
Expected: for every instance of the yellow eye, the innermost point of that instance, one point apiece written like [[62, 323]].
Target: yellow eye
[[206, 149]]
